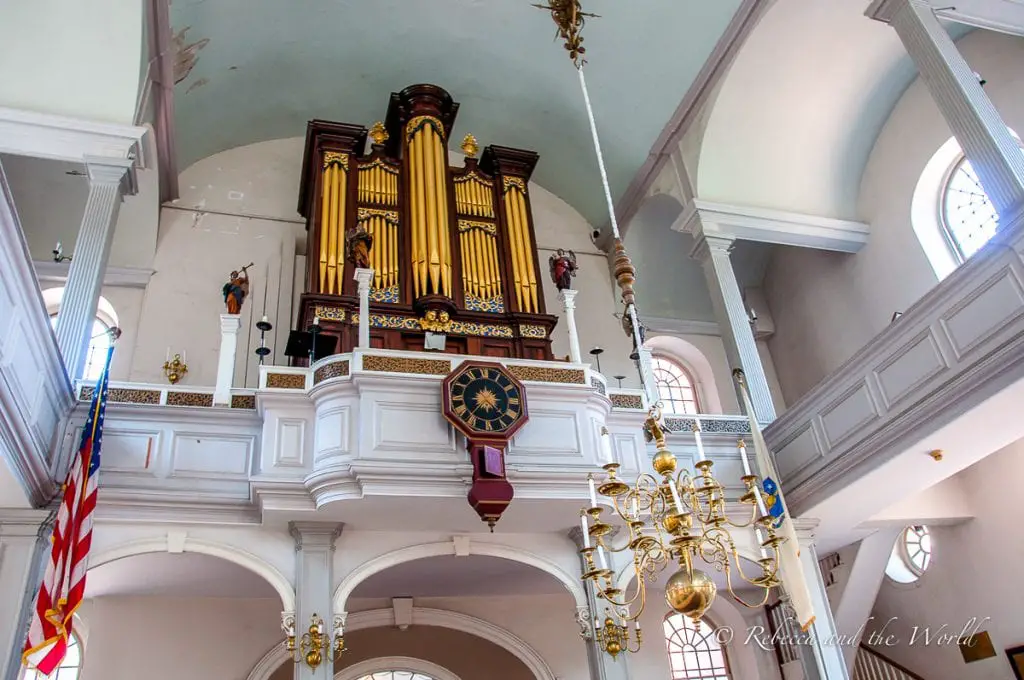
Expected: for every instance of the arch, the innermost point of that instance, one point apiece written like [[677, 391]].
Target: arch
[[416, 552], [230, 553], [105, 312], [395, 663], [697, 365], [422, 616]]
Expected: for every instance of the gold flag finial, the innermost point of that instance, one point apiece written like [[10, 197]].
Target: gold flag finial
[[469, 146], [378, 134]]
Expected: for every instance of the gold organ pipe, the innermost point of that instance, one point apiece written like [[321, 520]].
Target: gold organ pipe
[[325, 214], [494, 263], [464, 248], [418, 227], [478, 197], [524, 220], [378, 246], [426, 134], [444, 228], [474, 274], [332, 232], [478, 244], [341, 183], [513, 237], [394, 253]]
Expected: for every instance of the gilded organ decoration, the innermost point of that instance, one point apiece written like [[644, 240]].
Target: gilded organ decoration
[[444, 242], [332, 221]]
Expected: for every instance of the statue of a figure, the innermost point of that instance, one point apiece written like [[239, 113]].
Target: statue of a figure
[[358, 242], [563, 268], [236, 289]]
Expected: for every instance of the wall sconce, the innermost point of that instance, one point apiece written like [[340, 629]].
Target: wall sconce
[[614, 638], [175, 369], [313, 646]]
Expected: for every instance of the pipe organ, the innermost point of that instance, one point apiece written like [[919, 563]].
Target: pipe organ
[[453, 248]]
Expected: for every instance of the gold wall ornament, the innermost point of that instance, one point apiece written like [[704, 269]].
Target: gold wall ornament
[[469, 146], [613, 636], [378, 184], [378, 133], [175, 369], [674, 516], [569, 17], [314, 647], [436, 322]]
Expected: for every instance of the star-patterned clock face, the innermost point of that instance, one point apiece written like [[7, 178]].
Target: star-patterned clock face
[[485, 400]]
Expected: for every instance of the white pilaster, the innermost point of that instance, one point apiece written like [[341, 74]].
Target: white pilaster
[[733, 320], [229, 325], [568, 299], [364, 277], [109, 180], [24, 538], [823, 655], [314, 560], [601, 664], [984, 137]]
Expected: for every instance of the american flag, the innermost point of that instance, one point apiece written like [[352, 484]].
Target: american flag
[[63, 584]]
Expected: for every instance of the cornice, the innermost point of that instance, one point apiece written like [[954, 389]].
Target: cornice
[[43, 135], [120, 277], [711, 74], [765, 225], [657, 324]]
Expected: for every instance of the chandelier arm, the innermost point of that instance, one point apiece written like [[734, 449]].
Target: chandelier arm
[[764, 598]]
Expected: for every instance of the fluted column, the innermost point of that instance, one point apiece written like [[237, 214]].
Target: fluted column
[[568, 299], [363, 278], [109, 180], [602, 666], [733, 320], [314, 566], [994, 153]]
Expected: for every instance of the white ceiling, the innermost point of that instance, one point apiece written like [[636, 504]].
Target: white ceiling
[[176, 575], [268, 67]]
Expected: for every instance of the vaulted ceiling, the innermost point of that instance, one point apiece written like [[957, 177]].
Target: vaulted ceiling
[[254, 70]]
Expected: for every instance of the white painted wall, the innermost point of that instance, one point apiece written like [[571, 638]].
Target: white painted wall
[[825, 305], [72, 59], [974, 574]]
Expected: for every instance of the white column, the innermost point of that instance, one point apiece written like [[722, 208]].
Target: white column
[[568, 300], [601, 664], [984, 137], [24, 539], [823, 656], [109, 180], [229, 325], [733, 320], [314, 562], [364, 277]]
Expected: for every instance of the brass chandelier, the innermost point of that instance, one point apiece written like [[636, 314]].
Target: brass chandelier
[[672, 517]]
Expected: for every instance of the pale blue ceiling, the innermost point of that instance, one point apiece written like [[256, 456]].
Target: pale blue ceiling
[[271, 66]]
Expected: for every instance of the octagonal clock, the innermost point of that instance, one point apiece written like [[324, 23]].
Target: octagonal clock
[[485, 402]]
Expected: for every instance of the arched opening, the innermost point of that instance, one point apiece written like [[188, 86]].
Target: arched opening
[[395, 668], [684, 362], [100, 337], [695, 652]]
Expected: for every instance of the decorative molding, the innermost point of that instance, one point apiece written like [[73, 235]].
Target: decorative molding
[[229, 553], [692, 105], [122, 277], [573, 376], [668, 326], [374, 362], [43, 135], [415, 552], [334, 369], [633, 402], [883, 10], [244, 401], [422, 616], [764, 225], [286, 381]]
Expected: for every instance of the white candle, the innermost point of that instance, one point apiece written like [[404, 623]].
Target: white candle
[[743, 457], [606, 445], [586, 531], [636, 508], [600, 557], [764, 552], [316, 320], [675, 497], [696, 437], [320, 627], [168, 354], [593, 492], [264, 319]]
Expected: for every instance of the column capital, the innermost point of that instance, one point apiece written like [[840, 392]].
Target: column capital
[[230, 323], [567, 297], [119, 171], [576, 535], [315, 534], [805, 529], [707, 245], [886, 10], [364, 275]]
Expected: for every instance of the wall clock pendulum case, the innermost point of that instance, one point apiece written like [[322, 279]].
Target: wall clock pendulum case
[[487, 404]]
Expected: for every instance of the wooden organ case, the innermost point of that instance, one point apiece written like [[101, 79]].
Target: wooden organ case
[[453, 249]]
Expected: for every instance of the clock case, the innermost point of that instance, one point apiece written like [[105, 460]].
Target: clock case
[[491, 492]]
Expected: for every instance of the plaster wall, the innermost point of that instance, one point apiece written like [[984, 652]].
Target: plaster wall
[[827, 305], [973, 576]]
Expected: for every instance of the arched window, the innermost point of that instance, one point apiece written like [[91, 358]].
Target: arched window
[[69, 669], [396, 675], [694, 654], [967, 215], [675, 387], [911, 555], [99, 338]]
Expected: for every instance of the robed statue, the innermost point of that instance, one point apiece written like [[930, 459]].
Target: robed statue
[[236, 289], [563, 267], [358, 242]]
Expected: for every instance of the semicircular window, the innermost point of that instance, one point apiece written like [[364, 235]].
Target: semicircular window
[[968, 216]]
